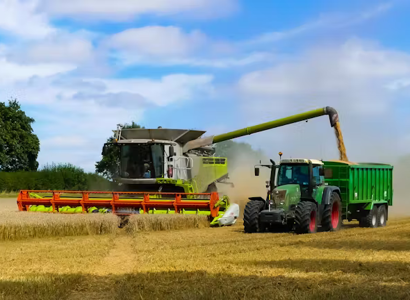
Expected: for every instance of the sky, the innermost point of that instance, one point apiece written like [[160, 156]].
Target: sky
[[81, 67]]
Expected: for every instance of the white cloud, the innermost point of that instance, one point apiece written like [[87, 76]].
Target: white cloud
[[352, 78], [59, 48], [80, 114], [11, 72], [157, 41], [122, 10], [19, 18], [171, 46], [169, 89], [354, 73]]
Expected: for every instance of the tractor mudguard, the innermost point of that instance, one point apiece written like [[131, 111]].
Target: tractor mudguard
[[327, 193]]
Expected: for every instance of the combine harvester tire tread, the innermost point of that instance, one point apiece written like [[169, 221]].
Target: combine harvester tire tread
[[251, 216], [306, 217], [332, 214]]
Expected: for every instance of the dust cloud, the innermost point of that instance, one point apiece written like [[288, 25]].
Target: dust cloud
[[246, 184], [401, 180]]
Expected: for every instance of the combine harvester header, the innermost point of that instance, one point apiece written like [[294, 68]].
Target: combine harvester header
[[162, 171]]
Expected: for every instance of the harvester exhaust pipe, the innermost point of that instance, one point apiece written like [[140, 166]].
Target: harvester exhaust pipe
[[330, 111]]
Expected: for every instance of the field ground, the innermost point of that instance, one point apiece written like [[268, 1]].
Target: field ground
[[211, 263]]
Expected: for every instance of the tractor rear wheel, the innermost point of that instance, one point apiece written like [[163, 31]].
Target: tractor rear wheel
[[369, 219], [332, 214], [306, 217], [251, 216]]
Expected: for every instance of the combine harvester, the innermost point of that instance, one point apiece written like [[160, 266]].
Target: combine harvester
[[162, 171]]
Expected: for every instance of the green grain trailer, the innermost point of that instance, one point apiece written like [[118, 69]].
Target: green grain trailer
[[304, 194], [366, 190]]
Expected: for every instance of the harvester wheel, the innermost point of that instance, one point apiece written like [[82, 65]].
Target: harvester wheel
[[370, 218], [381, 215], [306, 217], [251, 216], [332, 214]]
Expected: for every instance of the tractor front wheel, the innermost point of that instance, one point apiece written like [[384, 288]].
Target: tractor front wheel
[[251, 216], [332, 214], [306, 217]]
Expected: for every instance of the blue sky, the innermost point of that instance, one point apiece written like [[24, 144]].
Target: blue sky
[[80, 67]]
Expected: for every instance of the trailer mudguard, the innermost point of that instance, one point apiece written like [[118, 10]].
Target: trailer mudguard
[[371, 204]]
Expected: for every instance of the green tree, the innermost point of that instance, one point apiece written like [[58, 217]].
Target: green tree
[[19, 146], [108, 166]]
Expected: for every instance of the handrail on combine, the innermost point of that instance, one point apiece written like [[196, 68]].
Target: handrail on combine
[[26, 198]]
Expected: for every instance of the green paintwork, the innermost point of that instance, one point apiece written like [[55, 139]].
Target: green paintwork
[[362, 183], [292, 196], [269, 125]]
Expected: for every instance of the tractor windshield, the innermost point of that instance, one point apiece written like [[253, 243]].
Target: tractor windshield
[[293, 174], [142, 161]]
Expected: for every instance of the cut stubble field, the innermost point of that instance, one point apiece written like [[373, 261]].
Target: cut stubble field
[[211, 263]]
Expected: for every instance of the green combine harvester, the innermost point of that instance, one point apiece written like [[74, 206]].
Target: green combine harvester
[[307, 193]]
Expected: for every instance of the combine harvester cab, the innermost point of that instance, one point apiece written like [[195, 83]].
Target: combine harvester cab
[[162, 171]]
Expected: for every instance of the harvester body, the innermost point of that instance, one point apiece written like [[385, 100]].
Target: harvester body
[[163, 171], [305, 194]]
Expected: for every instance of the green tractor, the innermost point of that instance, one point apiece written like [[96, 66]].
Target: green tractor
[[304, 194]]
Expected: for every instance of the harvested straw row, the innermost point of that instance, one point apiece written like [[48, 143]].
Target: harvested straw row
[[22, 225], [145, 222]]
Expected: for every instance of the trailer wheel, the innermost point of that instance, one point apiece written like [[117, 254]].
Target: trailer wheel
[[306, 217], [251, 216], [370, 219], [332, 214], [381, 216]]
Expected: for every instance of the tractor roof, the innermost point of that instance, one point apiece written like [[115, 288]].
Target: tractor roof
[[300, 160]]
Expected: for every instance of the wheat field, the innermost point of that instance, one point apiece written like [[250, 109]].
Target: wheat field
[[211, 263]]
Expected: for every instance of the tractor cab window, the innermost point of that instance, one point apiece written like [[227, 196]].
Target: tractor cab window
[[316, 175], [293, 174], [142, 161]]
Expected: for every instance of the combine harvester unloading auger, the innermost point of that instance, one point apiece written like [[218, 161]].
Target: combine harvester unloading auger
[[162, 171]]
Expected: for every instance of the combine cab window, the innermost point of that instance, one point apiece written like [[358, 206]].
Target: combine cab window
[[142, 161]]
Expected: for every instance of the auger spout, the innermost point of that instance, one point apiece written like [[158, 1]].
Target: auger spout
[[330, 111]]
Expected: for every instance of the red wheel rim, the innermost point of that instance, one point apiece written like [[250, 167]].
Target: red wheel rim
[[312, 224], [335, 215]]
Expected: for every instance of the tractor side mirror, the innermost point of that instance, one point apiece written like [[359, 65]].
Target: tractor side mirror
[[256, 171], [171, 151]]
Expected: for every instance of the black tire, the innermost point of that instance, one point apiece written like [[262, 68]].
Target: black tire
[[251, 216], [332, 214], [369, 219], [381, 216], [306, 217]]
